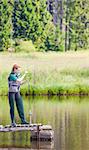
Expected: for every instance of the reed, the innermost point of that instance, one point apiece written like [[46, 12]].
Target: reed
[[52, 82]]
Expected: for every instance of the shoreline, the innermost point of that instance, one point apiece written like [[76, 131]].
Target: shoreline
[[81, 94]]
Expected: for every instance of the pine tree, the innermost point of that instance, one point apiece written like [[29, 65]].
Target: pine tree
[[5, 25], [74, 15], [30, 19], [80, 18]]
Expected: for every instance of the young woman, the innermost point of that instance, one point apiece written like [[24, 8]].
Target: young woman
[[14, 82]]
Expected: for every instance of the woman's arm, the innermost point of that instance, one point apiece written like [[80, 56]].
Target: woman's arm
[[21, 78]]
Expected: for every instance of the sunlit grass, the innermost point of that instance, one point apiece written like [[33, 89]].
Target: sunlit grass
[[48, 73], [52, 82], [45, 61]]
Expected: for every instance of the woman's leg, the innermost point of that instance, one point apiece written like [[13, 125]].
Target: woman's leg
[[19, 105], [11, 97]]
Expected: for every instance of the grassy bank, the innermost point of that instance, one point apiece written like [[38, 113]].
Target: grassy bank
[[55, 73]]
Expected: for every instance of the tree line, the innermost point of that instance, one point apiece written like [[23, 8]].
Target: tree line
[[57, 25]]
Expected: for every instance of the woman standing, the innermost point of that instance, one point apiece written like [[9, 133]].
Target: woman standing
[[14, 82]]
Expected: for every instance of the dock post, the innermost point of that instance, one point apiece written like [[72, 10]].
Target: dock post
[[38, 132], [30, 114]]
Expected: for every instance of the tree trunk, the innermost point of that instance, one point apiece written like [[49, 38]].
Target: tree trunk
[[61, 15], [66, 27], [55, 12], [69, 36]]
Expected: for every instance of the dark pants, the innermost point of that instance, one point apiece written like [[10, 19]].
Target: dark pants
[[19, 104]]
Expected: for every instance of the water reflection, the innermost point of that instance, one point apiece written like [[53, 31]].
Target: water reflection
[[21, 140], [69, 118]]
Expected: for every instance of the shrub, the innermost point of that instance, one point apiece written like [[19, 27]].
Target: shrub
[[26, 46]]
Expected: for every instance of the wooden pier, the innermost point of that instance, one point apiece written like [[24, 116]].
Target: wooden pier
[[38, 132]]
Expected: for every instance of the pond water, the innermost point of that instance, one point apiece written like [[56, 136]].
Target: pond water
[[69, 118]]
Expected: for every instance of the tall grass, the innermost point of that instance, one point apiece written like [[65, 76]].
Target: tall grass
[[52, 82]]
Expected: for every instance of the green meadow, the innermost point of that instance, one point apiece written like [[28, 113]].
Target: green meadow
[[48, 73]]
